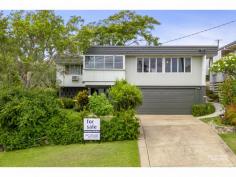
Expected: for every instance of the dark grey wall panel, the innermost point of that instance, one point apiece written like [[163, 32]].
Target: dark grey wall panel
[[170, 100]]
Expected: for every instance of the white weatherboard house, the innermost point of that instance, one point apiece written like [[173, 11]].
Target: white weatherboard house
[[216, 78], [172, 78]]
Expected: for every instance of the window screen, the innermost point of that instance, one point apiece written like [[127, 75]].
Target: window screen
[[153, 64], [146, 65], [99, 62], [181, 64], [89, 61], [167, 65], [174, 64], [139, 64], [187, 64], [109, 62], [118, 62], [159, 64]]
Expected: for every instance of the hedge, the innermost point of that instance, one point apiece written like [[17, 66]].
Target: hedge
[[202, 109], [30, 118]]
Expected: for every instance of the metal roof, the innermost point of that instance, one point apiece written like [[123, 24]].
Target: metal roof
[[228, 45], [151, 50], [67, 59]]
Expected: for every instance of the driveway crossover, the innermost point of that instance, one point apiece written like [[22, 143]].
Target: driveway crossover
[[181, 140]]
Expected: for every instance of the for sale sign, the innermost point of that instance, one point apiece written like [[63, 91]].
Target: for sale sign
[[91, 129]]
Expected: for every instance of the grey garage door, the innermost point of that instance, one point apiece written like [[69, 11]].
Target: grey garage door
[[169, 100]]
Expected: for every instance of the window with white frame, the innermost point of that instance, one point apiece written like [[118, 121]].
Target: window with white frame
[[118, 62], [146, 65], [187, 64], [149, 64], [159, 65], [104, 62], [168, 65], [178, 65], [153, 65], [139, 65], [181, 64], [173, 65], [73, 69]]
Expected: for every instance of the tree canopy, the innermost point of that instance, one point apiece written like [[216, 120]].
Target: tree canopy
[[121, 29], [226, 65], [30, 40]]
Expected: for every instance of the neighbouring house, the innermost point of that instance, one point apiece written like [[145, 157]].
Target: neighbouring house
[[216, 78], [172, 78]]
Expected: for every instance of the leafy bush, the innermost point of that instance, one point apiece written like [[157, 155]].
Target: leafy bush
[[227, 92], [24, 115], [202, 109], [124, 126], [81, 100], [68, 103], [234, 87], [63, 130], [100, 105], [125, 96], [230, 115], [33, 117], [30, 118]]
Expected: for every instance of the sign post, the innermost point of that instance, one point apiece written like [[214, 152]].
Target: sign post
[[91, 129]]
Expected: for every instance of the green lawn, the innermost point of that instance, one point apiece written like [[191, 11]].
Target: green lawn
[[230, 140], [112, 154]]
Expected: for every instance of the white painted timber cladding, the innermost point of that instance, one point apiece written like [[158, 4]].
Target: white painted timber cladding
[[204, 59], [165, 79], [101, 76], [66, 79], [108, 77]]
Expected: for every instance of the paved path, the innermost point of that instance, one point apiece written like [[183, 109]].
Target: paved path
[[181, 141], [219, 109]]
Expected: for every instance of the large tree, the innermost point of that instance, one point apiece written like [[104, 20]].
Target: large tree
[[8, 71], [121, 29], [38, 37]]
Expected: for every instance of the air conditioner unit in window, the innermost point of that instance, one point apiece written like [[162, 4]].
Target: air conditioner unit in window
[[75, 78]]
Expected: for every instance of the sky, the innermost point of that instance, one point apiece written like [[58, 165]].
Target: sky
[[177, 23]]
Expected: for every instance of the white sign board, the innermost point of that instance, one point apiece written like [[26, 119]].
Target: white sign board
[[91, 129]]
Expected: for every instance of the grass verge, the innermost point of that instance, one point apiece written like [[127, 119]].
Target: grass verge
[[230, 140], [111, 154], [215, 120]]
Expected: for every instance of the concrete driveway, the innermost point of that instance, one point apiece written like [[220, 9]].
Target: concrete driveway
[[181, 140]]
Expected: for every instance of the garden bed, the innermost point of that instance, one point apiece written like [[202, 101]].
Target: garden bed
[[218, 126]]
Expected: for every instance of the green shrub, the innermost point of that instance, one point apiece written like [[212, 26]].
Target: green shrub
[[33, 117], [30, 118], [81, 100], [100, 105], [202, 109], [24, 116], [234, 87], [227, 92], [125, 96], [68, 103], [63, 130], [230, 115], [124, 126]]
